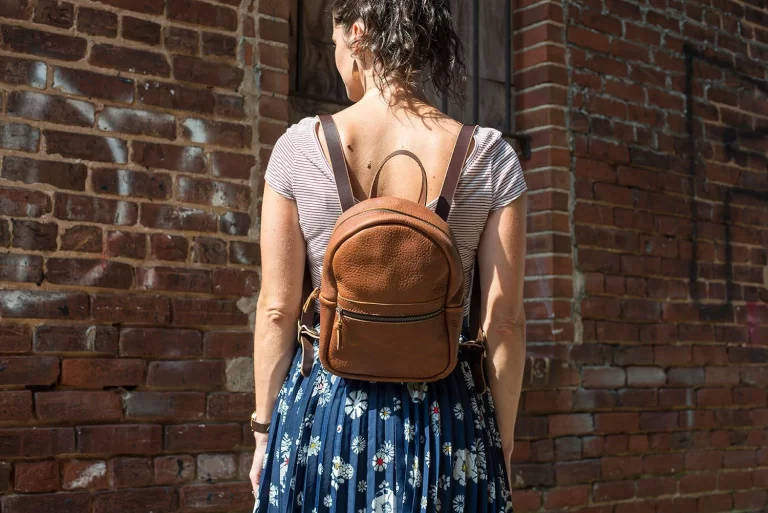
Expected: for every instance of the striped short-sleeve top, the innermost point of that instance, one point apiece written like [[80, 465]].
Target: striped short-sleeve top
[[298, 170]]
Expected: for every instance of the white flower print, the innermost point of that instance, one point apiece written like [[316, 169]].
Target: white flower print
[[424, 503], [491, 492], [282, 407], [313, 449], [443, 482], [308, 421], [384, 502], [339, 428], [385, 413], [417, 391], [409, 430], [447, 448], [322, 389], [299, 395], [327, 501], [340, 472], [273, 494], [362, 486], [379, 462], [467, 373], [257, 504], [285, 452], [464, 466], [434, 414], [397, 404], [388, 450], [414, 474], [458, 411], [438, 504], [479, 414], [458, 504], [478, 450], [427, 458], [301, 455], [319, 469], [300, 499], [356, 404], [433, 492], [358, 444]]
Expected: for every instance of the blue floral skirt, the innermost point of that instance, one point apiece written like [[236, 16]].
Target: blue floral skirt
[[341, 445]]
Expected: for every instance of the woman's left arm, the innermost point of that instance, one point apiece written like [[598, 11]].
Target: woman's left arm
[[283, 256]]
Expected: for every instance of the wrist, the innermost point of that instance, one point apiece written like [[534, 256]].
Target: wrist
[[258, 424]]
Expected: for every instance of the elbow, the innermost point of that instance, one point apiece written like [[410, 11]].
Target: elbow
[[274, 313]]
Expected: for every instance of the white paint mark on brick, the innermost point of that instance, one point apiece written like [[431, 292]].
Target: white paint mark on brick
[[39, 75], [123, 213], [88, 475], [94, 274], [124, 182], [239, 374], [197, 131]]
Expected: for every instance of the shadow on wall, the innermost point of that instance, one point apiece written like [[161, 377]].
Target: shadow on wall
[[744, 145]]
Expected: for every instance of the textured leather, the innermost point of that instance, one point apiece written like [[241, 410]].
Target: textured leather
[[392, 289]]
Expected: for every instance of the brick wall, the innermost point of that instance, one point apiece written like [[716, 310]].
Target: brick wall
[[650, 230], [128, 250]]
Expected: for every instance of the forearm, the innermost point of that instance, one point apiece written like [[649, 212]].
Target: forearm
[[504, 369], [273, 348]]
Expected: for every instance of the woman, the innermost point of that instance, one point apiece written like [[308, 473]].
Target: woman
[[345, 445]]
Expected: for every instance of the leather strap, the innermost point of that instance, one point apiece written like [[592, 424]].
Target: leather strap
[[474, 304], [307, 319], [423, 194], [338, 163], [455, 166]]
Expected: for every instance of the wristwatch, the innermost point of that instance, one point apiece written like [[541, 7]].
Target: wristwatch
[[258, 426]]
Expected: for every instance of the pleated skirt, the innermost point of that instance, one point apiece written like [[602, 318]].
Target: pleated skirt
[[342, 445]]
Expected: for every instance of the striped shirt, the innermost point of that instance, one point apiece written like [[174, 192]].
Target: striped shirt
[[491, 178]]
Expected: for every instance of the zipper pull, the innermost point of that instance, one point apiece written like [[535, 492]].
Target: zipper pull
[[338, 330]]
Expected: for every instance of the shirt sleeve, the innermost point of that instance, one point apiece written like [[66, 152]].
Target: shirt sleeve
[[507, 174], [279, 169]]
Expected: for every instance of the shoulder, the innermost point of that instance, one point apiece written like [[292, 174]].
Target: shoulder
[[297, 133], [491, 147]]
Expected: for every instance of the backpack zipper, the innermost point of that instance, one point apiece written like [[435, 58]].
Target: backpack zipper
[[341, 313]]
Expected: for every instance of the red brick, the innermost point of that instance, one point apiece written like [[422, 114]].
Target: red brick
[[167, 247], [54, 109], [575, 472], [208, 250], [752, 500], [202, 437], [166, 156], [36, 476], [16, 405], [227, 344], [23, 202], [171, 217], [655, 486], [62, 175], [142, 6], [613, 491], [17, 136], [34, 235], [663, 463], [230, 106], [715, 503], [89, 273], [130, 60], [76, 339], [566, 496], [177, 97], [200, 71], [96, 22], [181, 40], [86, 147], [82, 238], [621, 467], [174, 469], [235, 223], [142, 122], [646, 376], [21, 268], [230, 406], [616, 422], [143, 31], [43, 44], [43, 304], [570, 424], [126, 244], [120, 439], [19, 10], [169, 278], [603, 377], [89, 84], [199, 13], [91, 474], [22, 72], [177, 343], [713, 397], [155, 499], [127, 308], [36, 442], [223, 497], [277, 31], [74, 502], [130, 472], [207, 312], [29, 370], [65, 405], [213, 193], [102, 372], [165, 405], [14, 338], [5, 233], [219, 45], [188, 375], [55, 13], [217, 132]]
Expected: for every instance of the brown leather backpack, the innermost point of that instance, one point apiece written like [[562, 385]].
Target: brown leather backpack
[[392, 287]]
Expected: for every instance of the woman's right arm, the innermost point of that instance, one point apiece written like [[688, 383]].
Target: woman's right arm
[[501, 255]]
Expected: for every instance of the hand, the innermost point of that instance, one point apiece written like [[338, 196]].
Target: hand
[[258, 460]]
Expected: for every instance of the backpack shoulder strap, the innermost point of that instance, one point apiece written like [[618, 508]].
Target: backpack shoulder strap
[[455, 166], [339, 165]]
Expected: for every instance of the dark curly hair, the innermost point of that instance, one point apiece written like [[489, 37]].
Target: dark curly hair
[[412, 41]]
